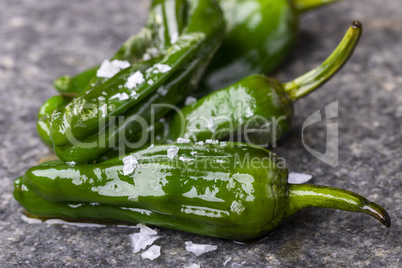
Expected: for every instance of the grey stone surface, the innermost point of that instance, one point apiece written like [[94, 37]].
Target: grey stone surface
[[41, 40]]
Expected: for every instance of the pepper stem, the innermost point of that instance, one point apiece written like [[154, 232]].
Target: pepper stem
[[305, 195], [310, 81], [306, 5]]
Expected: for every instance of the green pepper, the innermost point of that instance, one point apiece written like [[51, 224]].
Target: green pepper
[[234, 191], [166, 21], [259, 108], [98, 106], [259, 35]]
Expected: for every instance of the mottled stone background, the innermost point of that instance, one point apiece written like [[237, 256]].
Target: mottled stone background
[[41, 40]]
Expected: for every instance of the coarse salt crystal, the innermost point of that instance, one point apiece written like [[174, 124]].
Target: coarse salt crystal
[[184, 159], [200, 143], [152, 253], [120, 96], [210, 141], [150, 82], [182, 140], [109, 68], [172, 152], [162, 68], [146, 57], [134, 80], [71, 163], [298, 178], [190, 100], [140, 241], [193, 152], [199, 249], [130, 163]]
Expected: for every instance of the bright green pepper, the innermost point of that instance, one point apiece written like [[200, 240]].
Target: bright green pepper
[[84, 116], [234, 191], [259, 36], [258, 108]]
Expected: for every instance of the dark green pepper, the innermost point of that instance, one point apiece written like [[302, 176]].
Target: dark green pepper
[[85, 115], [259, 35], [257, 108], [234, 191]]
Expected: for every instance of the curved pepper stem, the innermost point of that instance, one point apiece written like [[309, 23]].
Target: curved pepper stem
[[306, 5], [310, 81], [305, 195]]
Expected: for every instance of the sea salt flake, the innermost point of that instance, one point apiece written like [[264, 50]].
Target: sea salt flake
[[135, 95], [150, 82], [193, 152], [222, 143], [146, 57], [120, 96], [109, 68], [210, 141], [71, 163], [172, 152], [153, 51], [103, 109], [200, 143], [134, 80], [298, 178], [199, 249], [152, 253], [130, 163], [182, 140], [162, 68], [190, 100], [140, 241], [146, 230], [249, 113]]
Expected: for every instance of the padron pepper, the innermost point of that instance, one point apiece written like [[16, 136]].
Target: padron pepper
[[230, 190], [259, 36], [257, 109], [166, 21], [96, 107]]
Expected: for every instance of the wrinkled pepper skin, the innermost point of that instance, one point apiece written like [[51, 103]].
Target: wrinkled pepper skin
[[232, 191], [84, 115], [259, 36]]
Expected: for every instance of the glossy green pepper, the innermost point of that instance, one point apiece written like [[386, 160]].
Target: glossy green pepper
[[259, 36], [98, 106], [257, 108], [234, 191], [166, 21]]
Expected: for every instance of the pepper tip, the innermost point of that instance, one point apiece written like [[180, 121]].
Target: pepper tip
[[357, 24]]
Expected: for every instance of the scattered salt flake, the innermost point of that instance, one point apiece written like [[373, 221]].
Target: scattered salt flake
[[220, 161], [249, 113], [146, 57], [200, 143], [184, 159], [153, 51], [172, 152], [152, 253], [120, 96], [193, 152], [146, 230], [109, 68], [162, 68], [210, 141], [227, 260], [182, 140], [30, 220], [192, 265], [199, 249], [135, 95], [134, 80], [140, 241], [150, 82], [74, 206], [71, 163], [162, 91], [298, 178], [190, 100], [130, 163], [222, 143]]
